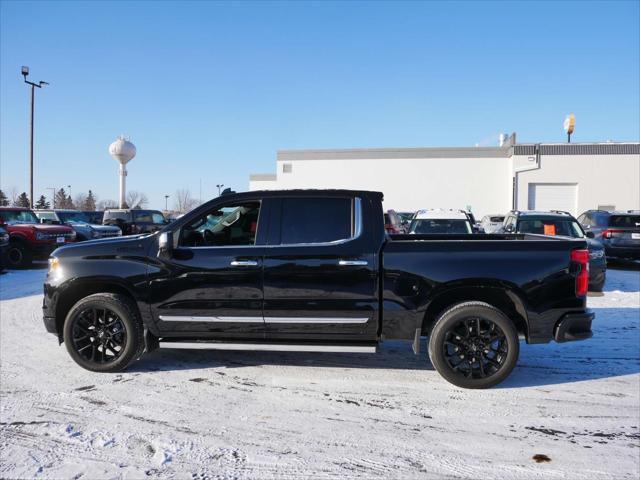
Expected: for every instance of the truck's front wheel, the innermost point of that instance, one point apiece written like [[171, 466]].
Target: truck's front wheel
[[474, 345], [103, 332]]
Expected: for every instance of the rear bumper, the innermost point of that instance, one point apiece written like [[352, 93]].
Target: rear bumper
[[622, 252], [574, 326]]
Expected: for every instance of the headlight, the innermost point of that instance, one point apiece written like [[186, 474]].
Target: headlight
[[40, 236], [95, 233], [54, 266], [596, 254]]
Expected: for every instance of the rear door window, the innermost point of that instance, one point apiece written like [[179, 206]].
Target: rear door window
[[316, 220], [624, 221]]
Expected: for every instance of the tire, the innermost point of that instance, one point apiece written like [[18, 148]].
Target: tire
[[104, 332], [598, 287], [18, 255], [486, 363]]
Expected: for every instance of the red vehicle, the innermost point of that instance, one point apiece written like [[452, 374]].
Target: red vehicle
[[29, 239]]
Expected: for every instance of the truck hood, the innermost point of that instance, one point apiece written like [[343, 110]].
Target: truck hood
[[40, 227], [128, 245]]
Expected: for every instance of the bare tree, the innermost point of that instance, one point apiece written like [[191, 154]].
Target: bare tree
[[106, 203], [136, 199], [13, 195], [79, 200], [183, 201]]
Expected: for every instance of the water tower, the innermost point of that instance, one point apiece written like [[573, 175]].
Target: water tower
[[122, 150]]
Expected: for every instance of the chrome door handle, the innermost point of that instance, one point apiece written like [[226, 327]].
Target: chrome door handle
[[244, 263], [349, 263]]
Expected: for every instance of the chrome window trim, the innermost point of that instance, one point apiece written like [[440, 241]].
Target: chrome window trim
[[357, 227]]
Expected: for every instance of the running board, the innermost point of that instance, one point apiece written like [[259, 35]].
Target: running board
[[270, 347]]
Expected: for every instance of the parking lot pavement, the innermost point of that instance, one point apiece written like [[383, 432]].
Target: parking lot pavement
[[290, 415]]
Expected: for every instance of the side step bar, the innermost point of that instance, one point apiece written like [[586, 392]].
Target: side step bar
[[270, 347]]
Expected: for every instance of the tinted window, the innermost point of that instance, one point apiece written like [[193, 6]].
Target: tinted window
[[115, 215], [20, 216], [47, 216], [551, 226], [234, 224], [73, 217], [624, 221], [439, 225], [315, 220], [148, 217]]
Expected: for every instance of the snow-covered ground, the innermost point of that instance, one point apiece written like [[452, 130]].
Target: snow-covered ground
[[206, 414]]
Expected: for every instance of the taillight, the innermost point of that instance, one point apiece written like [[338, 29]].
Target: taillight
[[609, 233], [581, 257]]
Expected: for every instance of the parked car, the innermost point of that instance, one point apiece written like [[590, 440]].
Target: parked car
[[80, 222], [393, 223], [492, 223], [255, 271], [94, 216], [619, 232], [135, 221], [4, 245], [28, 239], [405, 218], [437, 221], [561, 223]]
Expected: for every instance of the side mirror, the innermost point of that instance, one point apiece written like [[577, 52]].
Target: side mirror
[[590, 235], [165, 244]]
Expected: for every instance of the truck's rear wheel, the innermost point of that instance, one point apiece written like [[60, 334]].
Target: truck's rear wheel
[[474, 345], [103, 332]]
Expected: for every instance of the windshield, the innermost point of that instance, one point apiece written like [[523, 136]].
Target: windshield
[[149, 217], [117, 215], [73, 217], [625, 221], [439, 226], [21, 216], [551, 226]]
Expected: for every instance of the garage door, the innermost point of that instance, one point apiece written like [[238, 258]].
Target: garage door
[[554, 196]]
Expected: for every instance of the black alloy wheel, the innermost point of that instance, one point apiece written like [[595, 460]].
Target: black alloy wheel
[[474, 345], [98, 335], [103, 332]]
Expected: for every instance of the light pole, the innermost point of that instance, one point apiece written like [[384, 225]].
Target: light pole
[[25, 74], [166, 197], [219, 185]]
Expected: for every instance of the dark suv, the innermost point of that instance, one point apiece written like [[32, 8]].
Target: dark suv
[[561, 223], [133, 222], [619, 232]]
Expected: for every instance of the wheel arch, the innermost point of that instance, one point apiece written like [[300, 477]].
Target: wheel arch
[[504, 299], [75, 292]]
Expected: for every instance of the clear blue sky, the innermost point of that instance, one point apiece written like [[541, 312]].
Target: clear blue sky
[[210, 91]]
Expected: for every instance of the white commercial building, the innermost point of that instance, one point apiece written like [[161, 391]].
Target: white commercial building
[[572, 177]]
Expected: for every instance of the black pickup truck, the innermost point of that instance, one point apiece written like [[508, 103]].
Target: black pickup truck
[[314, 270]]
